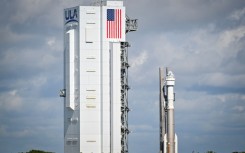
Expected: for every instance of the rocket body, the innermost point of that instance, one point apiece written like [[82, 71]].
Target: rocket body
[[168, 142], [170, 81]]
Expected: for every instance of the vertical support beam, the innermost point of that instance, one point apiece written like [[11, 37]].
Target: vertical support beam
[[101, 78], [161, 109], [115, 97], [124, 96]]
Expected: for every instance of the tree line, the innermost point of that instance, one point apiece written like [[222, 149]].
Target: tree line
[[37, 151]]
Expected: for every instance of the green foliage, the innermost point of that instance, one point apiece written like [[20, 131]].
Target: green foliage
[[37, 151]]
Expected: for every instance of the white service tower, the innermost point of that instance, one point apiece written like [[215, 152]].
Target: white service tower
[[95, 78], [168, 138]]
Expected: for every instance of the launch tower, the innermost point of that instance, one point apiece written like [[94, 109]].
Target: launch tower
[[96, 78]]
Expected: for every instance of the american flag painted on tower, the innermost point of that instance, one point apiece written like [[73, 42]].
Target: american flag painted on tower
[[114, 23]]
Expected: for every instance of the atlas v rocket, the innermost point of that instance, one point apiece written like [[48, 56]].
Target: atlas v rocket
[[168, 138]]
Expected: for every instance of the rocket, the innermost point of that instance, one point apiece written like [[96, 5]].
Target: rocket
[[168, 137]]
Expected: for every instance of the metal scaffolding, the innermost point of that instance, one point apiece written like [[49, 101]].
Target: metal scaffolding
[[124, 96], [131, 25]]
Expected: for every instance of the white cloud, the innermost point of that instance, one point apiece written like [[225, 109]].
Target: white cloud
[[37, 82], [237, 14], [218, 79], [9, 36], [206, 56], [139, 60], [229, 37], [11, 101], [239, 108], [27, 10]]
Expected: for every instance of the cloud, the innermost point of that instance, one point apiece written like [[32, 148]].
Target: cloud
[[15, 134], [237, 14], [230, 37], [9, 36], [140, 60], [208, 55], [204, 117], [179, 15], [10, 101]]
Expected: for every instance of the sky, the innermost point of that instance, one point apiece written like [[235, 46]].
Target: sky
[[201, 41]]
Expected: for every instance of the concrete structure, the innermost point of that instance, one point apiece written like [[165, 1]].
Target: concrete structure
[[96, 78], [168, 138]]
